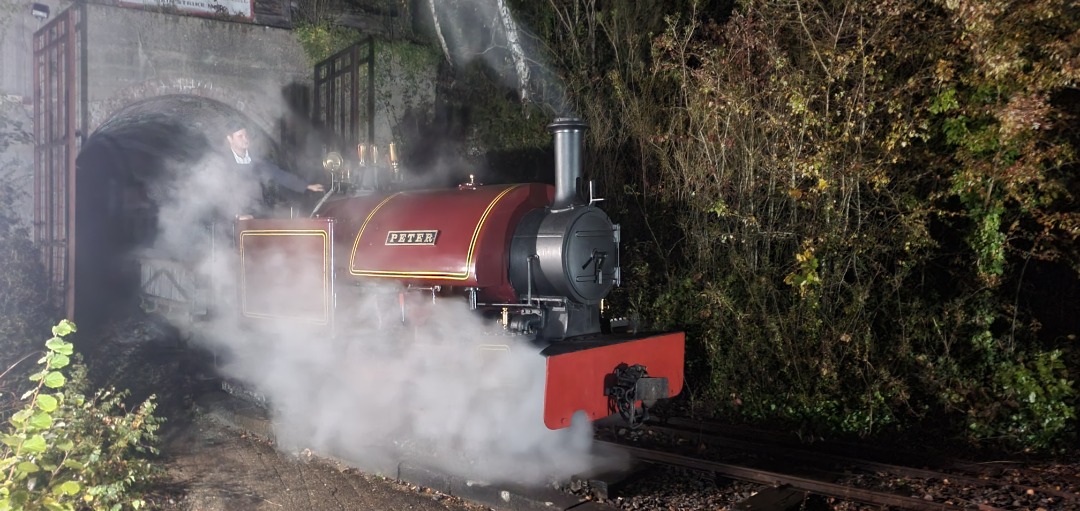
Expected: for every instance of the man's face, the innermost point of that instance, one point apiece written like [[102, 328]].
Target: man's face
[[238, 141]]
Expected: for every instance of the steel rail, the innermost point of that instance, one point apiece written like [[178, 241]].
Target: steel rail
[[777, 479], [817, 457], [840, 448]]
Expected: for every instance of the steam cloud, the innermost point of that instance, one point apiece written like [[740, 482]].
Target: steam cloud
[[376, 395]]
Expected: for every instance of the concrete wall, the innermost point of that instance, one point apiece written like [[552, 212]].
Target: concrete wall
[[17, 27], [135, 55]]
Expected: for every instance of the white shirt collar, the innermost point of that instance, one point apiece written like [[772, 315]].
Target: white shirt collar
[[245, 159]]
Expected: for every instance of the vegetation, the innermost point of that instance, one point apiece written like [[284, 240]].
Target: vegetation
[[853, 208], [58, 449], [404, 88], [500, 121], [23, 304], [24, 307], [321, 39], [63, 451]]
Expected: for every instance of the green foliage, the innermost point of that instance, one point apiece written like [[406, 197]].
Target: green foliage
[[322, 39], [405, 86], [63, 451], [23, 302], [838, 200], [805, 276], [1037, 405], [502, 122], [409, 60]]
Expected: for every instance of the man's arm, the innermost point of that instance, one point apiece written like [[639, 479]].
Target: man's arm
[[283, 179]]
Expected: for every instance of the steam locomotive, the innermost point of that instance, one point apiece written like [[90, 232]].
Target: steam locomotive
[[535, 262]]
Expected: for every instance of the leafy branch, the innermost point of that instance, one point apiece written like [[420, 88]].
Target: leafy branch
[[65, 452]]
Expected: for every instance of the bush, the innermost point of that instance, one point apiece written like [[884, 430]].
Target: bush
[[23, 302], [843, 202], [64, 451]]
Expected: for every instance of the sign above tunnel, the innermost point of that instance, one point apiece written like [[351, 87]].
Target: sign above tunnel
[[232, 8]]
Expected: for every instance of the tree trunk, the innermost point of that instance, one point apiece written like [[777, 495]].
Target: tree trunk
[[514, 42], [439, 34]]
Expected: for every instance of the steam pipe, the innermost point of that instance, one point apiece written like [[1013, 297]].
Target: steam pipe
[[568, 143], [528, 264]]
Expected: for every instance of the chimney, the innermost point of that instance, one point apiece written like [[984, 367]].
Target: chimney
[[568, 145]]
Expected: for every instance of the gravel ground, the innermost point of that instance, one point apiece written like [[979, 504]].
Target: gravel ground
[[210, 466], [671, 488]]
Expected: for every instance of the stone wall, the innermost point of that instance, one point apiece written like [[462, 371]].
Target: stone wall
[[135, 55]]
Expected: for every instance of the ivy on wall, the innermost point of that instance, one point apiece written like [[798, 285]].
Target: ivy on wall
[[323, 39]]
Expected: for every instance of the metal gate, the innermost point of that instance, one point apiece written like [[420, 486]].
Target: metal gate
[[338, 83], [59, 106]]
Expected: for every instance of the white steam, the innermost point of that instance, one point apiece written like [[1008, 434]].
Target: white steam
[[438, 398], [446, 392]]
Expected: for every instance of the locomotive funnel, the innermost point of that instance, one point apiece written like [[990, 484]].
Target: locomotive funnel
[[568, 132]]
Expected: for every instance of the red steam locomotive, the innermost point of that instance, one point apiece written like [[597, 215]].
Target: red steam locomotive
[[534, 261]]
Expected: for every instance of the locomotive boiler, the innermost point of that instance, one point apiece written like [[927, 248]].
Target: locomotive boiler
[[535, 261]]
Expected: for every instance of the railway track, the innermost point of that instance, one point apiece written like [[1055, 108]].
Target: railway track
[[781, 472], [790, 473]]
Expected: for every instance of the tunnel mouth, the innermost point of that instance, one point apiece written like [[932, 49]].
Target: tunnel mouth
[[123, 172]]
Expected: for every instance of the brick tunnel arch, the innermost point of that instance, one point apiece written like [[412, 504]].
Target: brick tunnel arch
[[121, 170]]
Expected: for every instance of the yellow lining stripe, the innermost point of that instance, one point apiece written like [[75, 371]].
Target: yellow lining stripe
[[287, 232], [363, 226], [430, 274]]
